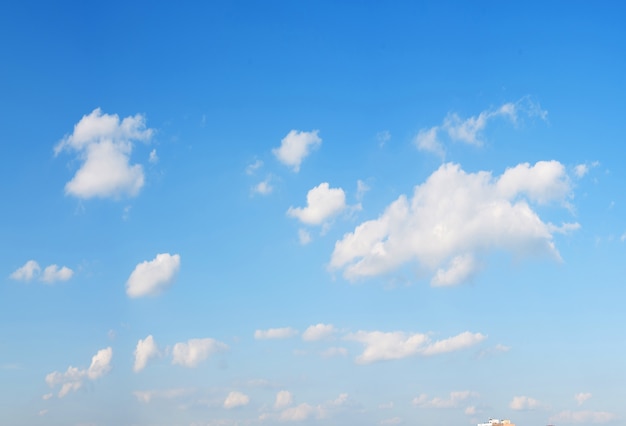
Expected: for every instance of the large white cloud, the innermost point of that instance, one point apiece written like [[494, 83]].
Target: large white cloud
[[585, 417], [318, 332], [236, 399], [275, 333], [453, 218], [323, 203], [295, 147], [381, 346], [151, 277], [103, 144], [146, 349], [194, 351], [74, 378], [50, 275]]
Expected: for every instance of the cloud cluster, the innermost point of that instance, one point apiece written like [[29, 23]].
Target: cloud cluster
[[103, 144], [295, 147], [469, 131], [454, 217], [50, 275], [151, 277], [74, 378], [381, 346]]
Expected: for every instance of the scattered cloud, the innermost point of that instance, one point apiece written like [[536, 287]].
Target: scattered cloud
[[323, 203], [149, 395], [386, 406], [151, 277], [525, 403], [263, 187], [283, 399], [298, 413], [236, 399], [53, 273], [43, 412], [361, 189], [582, 397], [333, 352], [74, 378], [318, 332], [50, 275], [304, 237], [581, 170], [426, 140], [454, 217], [153, 158], [145, 350], [497, 349], [103, 145], [472, 410], [253, 167], [383, 137], [195, 351], [27, 272], [47, 396], [381, 346], [583, 417], [295, 147], [453, 401], [275, 333]]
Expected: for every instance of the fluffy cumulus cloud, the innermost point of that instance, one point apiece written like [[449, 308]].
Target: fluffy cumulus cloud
[[151, 277], [51, 274], [582, 397], [453, 218], [283, 399], [454, 400], [295, 147], [275, 333], [318, 332], [146, 349], [103, 145], [525, 403], [323, 202], [381, 346], [583, 417], [74, 378], [194, 351], [236, 399], [470, 130]]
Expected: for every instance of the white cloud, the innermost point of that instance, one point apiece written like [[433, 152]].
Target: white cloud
[[53, 273], [263, 187], [342, 399], [47, 396], [525, 403], [298, 413], [453, 401], [43, 412], [195, 351], [361, 189], [27, 272], [304, 237], [470, 130], [581, 170], [383, 137], [454, 217], [323, 203], [74, 378], [151, 277], [471, 410], [583, 417], [103, 144], [391, 421], [154, 158], [283, 399], [149, 395], [295, 147], [426, 140], [318, 332], [236, 399], [380, 346], [145, 350], [499, 348], [334, 351], [582, 397], [275, 333], [252, 168]]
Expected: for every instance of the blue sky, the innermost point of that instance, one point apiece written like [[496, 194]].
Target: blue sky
[[312, 213]]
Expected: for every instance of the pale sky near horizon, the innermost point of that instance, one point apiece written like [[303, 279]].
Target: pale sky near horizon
[[316, 213]]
